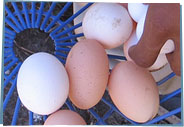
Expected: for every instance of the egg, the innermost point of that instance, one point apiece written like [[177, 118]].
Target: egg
[[134, 91], [88, 69], [108, 23], [140, 27], [65, 117], [137, 10], [42, 83]]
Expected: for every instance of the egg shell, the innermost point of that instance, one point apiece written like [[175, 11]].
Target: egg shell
[[137, 10], [134, 91], [65, 117], [42, 83], [88, 69], [140, 27], [108, 23]]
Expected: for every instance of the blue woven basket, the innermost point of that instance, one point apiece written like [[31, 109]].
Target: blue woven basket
[[20, 20]]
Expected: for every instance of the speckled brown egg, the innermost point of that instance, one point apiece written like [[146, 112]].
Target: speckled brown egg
[[134, 91], [65, 117], [88, 70]]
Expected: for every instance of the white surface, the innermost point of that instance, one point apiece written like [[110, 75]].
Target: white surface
[[108, 23], [159, 63], [160, 74], [42, 83], [78, 19], [132, 40], [168, 47], [137, 10], [116, 51], [140, 27], [170, 86]]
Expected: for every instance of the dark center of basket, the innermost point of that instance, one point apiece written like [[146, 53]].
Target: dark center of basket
[[32, 41]]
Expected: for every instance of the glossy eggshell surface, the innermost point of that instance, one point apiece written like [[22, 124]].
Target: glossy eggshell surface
[[134, 91], [109, 23], [88, 69], [65, 117], [42, 83]]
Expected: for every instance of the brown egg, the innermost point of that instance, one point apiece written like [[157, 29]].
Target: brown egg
[[65, 117], [88, 70], [134, 91]]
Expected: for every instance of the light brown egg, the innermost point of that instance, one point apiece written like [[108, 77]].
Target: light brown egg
[[88, 70], [134, 91], [65, 117]]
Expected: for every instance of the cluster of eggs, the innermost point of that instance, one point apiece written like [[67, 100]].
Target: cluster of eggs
[[43, 83]]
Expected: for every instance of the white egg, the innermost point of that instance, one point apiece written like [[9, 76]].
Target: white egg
[[132, 40], [109, 23], [140, 27], [137, 10], [42, 83]]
